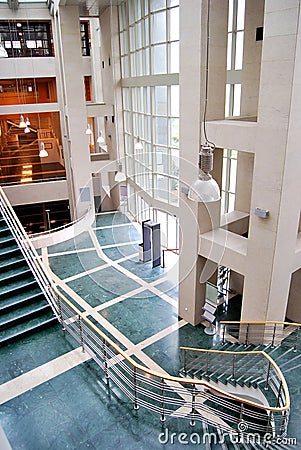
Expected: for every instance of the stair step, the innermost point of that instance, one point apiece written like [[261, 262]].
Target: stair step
[[14, 274], [17, 287], [27, 312], [25, 298], [4, 230], [13, 263], [9, 252], [25, 329], [6, 241]]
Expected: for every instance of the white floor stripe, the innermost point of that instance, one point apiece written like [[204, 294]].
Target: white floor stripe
[[128, 224], [41, 374], [71, 252]]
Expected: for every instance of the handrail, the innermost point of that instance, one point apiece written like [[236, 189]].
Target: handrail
[[264, 332], [256, 352], [28, 250], [62, 227], [157, 391]]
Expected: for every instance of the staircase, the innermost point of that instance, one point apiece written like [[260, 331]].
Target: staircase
[[23, 307], [245, 382]]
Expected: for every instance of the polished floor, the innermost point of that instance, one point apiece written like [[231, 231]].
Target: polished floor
[[53, 396]]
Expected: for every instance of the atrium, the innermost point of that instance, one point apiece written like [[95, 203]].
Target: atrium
[[150, 235]]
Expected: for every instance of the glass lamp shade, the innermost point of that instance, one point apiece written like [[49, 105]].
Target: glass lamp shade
[[120, 176], [88, 130], [22, 123], [100, 139], [43, 152], [138, 145], [26, 130], [27, 121], [205, 189]]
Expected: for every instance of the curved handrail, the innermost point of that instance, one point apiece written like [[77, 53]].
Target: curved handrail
[[257, 352], [175, 379], [264, 332]]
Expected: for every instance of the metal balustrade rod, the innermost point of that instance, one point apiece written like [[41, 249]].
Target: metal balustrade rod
[[274, 333], [247, 334], [61, 313], [224, 331], [268, 377], [136, 406], [163, 418], [81, 333], [193, 396], [233, 367], [207, 363], [105, 358], [296, 340], [185, 363], [279, 394]]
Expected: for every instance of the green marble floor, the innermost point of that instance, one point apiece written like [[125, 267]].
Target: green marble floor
[[78, 409]]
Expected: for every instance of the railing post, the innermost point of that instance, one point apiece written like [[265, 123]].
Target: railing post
[[185, 363], [268, 377], [81, 333], [162, 418], [233, 367], [279, 394], [274, 333], [247, 334], [207, 363], [105, 357], [136, 406], [223, 338], [61, 313], [296, 340], [193, 395]]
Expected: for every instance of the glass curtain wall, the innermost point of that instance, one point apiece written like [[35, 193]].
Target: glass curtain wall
[[236, 23], [149, 42]]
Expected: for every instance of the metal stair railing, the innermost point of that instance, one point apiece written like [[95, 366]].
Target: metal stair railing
[[31, 256], [155, 391], [287, 334]]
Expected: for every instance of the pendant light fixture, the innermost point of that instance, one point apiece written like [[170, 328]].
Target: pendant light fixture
[[138, 145], [27, 121], [43, 152], [88, 130], [205, 188], [26, 130], [120, 175], [22, 123], [100, 139]]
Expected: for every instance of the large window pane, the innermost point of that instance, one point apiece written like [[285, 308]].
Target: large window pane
[[240, 14], [159, 59], [161, 130], [161, 100], [174, 62], [174, 132], [157, 4], [232, 181], [159, 27], [236, 100], [174, 26], [239, 50], [174, 101]]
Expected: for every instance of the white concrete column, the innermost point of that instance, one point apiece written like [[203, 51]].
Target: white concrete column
[[77, 142], [277, 181], [192, 88]]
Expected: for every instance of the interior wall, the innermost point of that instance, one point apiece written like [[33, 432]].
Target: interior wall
[[236, 282]]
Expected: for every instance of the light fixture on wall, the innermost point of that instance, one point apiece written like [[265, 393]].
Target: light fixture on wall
[[27, 121], [26, 130], [138, 145], [43, 152], [205, 188]]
